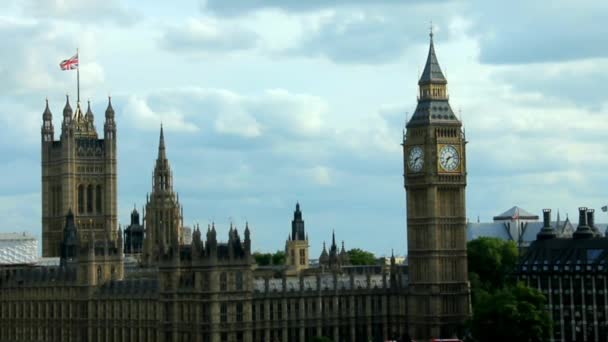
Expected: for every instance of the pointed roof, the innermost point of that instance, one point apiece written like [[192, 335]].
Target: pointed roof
[[67, 110], [432, 72], [516, 213], [47, 115], [110, 109], [162, 153], [89, 113]]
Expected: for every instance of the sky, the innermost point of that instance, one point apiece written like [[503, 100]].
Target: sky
[[266, 103]]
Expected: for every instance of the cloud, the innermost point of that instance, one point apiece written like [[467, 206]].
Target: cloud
[[521, 32], [144, 117], [207, 35], [86, 12], [236, 7], [355, 38], [321, 175], [272, 113]]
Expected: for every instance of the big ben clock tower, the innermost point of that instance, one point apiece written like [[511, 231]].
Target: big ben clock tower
[[435, 180]]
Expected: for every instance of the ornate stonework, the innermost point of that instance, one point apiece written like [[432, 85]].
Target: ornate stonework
[[78, 174], [435, 179]]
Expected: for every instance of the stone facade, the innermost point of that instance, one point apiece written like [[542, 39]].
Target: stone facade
[[213, 291], [78, 174], [435, 180], [571, 273]]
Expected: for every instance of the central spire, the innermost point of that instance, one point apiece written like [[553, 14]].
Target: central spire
[[433, 106], [162, 154], [432, 72], [163, 177]]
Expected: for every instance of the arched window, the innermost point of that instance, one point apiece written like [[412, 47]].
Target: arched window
[[99, 275], [223, 281], [98, 197], [81, 198], [89, 198]]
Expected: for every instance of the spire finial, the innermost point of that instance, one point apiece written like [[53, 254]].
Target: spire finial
[[161, 144], [431, 31]]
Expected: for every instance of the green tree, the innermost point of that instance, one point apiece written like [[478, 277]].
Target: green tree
[[515, 313], [358, 256], [278, 258], [491, 263], [264, 259]]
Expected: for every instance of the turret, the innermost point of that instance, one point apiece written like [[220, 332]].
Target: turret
[[67, 117], [89, 117], [297, 225], [247, 239], [48, 131], [324, 258], [109, 129]]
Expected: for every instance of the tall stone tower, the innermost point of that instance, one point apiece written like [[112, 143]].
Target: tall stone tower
[[78, 174], [163, 215], [435, 180], [296, 246]]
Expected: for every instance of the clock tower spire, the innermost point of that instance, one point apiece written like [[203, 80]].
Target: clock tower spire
[[435, 181]]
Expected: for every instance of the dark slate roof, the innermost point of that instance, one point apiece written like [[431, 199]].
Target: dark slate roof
[[432, 72], [433, 111], [130, 287], [564, 255], [492, 229]]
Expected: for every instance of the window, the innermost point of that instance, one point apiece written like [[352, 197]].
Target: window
[[239, 312], [98, 199], [99, 274], [81, 198], [302, 257], [223, 313], [89, 198], [223, 282], [239, 281]]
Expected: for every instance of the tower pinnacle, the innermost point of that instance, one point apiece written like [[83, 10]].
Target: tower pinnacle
[[162, 154]]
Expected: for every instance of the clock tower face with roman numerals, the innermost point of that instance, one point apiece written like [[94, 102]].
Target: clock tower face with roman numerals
[[434, 152]]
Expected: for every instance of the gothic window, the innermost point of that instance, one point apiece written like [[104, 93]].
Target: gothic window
[[239, 281], [302, 257], [80, 198], [223, 313], [293, 257], [239, 312], [89, 198], [98, 199], [223, 282], [99, 275]]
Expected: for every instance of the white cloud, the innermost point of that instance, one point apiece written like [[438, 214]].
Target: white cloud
[[207, 35], [142, 116], [321, 175], [89, 11]]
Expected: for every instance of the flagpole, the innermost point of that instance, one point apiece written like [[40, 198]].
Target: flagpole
[[78, 78]]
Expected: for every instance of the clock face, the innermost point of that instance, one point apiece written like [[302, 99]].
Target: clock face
[[415, 159], [449, 159]]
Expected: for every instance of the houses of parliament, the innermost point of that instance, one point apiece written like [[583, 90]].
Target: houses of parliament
[[148, 284]]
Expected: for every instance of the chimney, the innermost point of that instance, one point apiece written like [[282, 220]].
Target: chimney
[[582, 231], [547, 231], [547, 218], [591, 222]]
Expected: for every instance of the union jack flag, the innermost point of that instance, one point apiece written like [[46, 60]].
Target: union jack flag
[[69, 64]]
